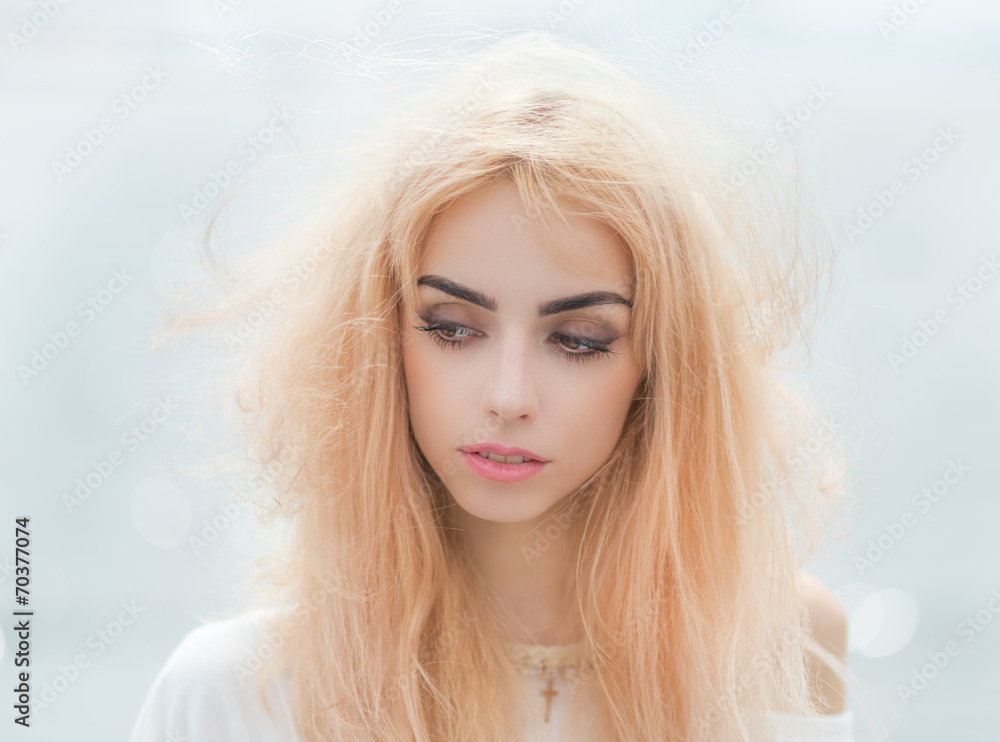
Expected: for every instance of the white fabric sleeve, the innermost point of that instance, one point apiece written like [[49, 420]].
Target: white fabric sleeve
[[205, 693], [822, 728]]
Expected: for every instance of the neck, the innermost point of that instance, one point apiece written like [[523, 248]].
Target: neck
[[527, 576]]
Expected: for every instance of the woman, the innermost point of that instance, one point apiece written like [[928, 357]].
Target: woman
[[522, 409]]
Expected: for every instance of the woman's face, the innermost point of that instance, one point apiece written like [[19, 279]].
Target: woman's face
[[517, 375]]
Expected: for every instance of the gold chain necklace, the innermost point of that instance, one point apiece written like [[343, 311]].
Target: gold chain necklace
[[549, 662]]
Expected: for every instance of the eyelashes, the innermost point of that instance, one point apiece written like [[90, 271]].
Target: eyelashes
[[595, 350]]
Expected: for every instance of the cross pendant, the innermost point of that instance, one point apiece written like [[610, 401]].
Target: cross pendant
[[549, 694]]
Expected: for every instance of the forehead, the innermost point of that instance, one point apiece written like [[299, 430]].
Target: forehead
[[489, 238]]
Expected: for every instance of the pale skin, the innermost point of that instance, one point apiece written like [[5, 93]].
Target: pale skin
[[517, 379]]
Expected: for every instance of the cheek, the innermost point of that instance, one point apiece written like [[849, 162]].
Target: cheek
[[417, 377], [592, 410], [430, 392]]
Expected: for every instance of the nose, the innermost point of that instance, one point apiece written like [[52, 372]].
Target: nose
[[511, 388]]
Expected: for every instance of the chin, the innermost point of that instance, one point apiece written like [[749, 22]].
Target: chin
[[501, 507]]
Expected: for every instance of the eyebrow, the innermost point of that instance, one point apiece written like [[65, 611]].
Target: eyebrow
[[556, 306]]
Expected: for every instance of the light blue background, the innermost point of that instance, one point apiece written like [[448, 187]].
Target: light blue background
[[62, 241]]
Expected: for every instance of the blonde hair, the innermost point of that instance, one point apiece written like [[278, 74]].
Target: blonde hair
[[693, 531]]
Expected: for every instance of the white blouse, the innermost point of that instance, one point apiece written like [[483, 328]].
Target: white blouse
[[200, 695]]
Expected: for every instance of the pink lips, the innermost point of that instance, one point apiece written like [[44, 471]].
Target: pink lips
[[499, 471], [502, 451]]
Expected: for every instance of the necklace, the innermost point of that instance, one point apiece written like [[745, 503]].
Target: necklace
[[552, 661]]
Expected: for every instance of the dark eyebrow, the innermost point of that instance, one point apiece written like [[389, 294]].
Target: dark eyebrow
[[566, 304]]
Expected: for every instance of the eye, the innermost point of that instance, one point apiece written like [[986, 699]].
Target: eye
[[445, 340], [455, 337]]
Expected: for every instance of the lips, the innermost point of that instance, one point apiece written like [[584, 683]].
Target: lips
[[500, 450], [499, 471]]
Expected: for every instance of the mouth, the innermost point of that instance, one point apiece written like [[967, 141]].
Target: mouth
[[508, 469], [502, 459], [503, 454]]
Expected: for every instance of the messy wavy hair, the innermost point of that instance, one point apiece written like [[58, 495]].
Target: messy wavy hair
[[693, 532]]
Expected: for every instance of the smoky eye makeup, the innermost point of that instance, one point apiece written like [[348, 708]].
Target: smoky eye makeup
[[574, 345], [575, 327]]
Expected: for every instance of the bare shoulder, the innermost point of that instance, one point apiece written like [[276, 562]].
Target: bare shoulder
[[826, 613], [828, 623]]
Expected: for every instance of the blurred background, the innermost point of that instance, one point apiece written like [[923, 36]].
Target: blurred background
[[119, 121]]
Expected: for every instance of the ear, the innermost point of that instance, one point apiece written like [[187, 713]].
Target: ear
[[828, 624]]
